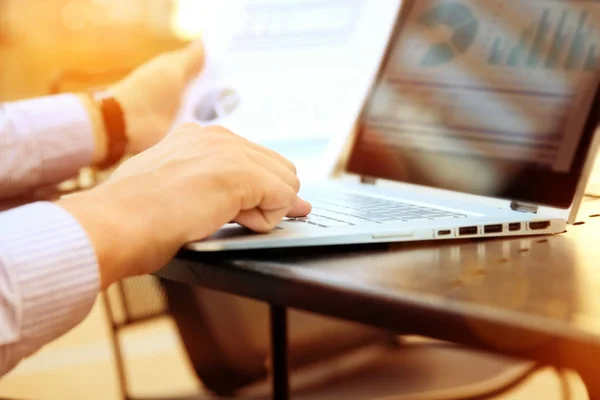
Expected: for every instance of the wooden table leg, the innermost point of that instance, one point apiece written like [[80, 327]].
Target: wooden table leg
[[279, 353]]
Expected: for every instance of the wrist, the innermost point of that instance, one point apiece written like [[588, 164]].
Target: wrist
[[126, 237], [98, 130], [112, 233], [139, 122], [101, 228]]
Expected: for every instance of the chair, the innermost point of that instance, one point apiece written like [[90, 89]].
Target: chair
[[226, 338], [127, 303]]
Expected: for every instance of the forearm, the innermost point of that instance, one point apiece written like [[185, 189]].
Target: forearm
[[54, 258], [48, 278], [114, 235], [47, 140]]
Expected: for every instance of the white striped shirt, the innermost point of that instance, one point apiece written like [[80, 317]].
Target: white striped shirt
[[48, 269]]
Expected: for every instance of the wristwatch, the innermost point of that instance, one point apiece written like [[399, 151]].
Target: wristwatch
[[114, 126]]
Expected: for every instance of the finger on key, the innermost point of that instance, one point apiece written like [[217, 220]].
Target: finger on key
[[273, 208], [301, 208]]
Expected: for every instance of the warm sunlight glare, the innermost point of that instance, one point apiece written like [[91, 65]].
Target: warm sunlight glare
[[194, 18]]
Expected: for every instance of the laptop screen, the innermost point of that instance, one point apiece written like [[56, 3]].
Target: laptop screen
[[491, 97]]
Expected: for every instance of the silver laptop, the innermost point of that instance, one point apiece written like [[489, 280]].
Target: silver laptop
[[479, 124]]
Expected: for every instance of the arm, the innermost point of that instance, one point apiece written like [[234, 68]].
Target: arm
[[48, 278], [49, 273], [47, 140], [55, 257]]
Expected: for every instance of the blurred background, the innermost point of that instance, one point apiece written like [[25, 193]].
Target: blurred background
[[39, 39], [56, 45]]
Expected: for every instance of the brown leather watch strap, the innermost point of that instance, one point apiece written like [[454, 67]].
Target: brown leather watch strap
[[114, 125]]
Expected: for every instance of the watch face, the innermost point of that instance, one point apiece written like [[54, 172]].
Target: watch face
[[217, 104]]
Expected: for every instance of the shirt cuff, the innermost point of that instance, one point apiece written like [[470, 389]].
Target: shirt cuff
[[58, 132], [53, 271]]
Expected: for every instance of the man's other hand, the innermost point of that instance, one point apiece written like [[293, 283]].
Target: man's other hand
[[184, 189], [151, 95]]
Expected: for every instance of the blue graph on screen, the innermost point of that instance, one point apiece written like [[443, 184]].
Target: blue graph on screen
[[566, 41], [460, 20]]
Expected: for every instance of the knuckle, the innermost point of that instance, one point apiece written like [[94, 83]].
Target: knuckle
[[185, 133], [293, 167], [247, 190], [220, 130], [190, 128], [271, 218], [296, 184], [282, 196], [221, 135]]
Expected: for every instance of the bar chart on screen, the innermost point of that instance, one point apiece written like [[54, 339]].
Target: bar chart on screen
[[513, 35], [559, 38]]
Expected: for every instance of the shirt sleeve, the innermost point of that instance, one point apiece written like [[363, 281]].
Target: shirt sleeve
[[49, 278], [42, 142]]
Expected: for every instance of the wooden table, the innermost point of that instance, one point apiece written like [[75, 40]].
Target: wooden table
[[537, 298]]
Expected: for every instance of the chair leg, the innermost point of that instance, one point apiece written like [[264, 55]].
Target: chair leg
[[114, 341], [279, 353]]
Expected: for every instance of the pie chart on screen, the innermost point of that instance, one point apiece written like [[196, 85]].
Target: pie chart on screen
[[463, 27], [217, 104]]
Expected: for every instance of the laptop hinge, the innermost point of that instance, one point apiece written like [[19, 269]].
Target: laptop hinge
[[524, 207], [367, 180]]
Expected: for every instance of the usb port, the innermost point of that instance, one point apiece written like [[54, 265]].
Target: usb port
[[492, 228], [539, 225], [444, 232], [515, 226], [467, 230]]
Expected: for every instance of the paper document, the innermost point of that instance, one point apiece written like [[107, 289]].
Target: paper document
[[296, 74]]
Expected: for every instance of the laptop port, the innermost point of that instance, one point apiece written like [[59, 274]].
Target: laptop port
[[445, 232], [539, 225], [515, 226], [467, 230], [492, 229]]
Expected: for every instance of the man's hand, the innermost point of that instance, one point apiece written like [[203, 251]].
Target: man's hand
[[151, 95], [183, 189]]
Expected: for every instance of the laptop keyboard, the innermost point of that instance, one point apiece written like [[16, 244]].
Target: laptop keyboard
[[338, 209]]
